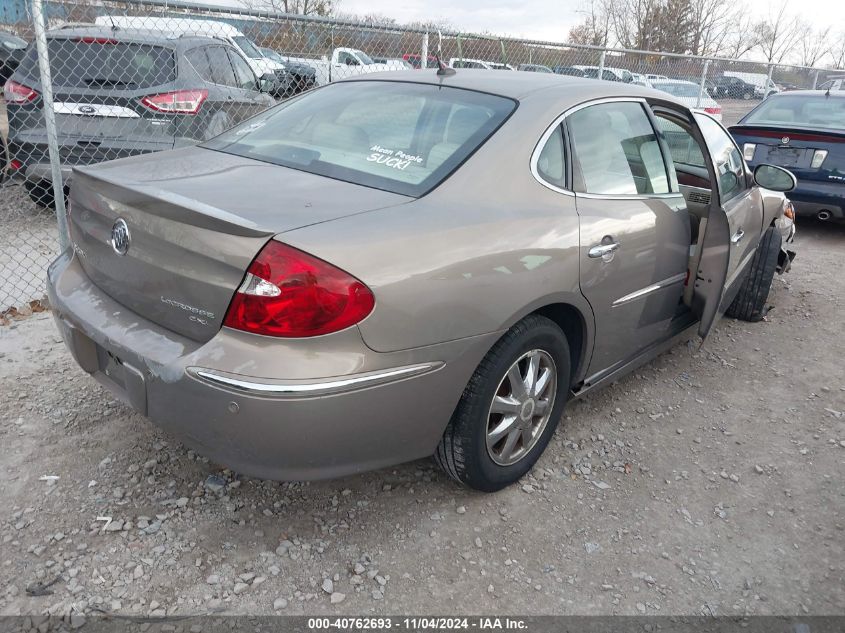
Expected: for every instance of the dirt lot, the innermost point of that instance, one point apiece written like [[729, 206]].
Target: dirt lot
[[709, 482]]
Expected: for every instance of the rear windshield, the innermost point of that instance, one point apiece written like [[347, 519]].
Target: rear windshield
[[802, 110], [103, 63], [400, 137]]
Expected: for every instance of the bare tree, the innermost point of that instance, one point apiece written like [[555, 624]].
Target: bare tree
[[632, 20], [300, 7], [594, 29], [837, 52], [713, 23], [741, 39], [774, 35], [813, 45]]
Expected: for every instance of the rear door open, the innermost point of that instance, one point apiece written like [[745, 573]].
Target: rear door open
[[710, 255]]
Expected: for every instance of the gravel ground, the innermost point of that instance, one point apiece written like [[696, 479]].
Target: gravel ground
[[708, 482]]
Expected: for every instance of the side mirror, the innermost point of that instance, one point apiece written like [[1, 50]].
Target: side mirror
[[351, 61], [775, 178], [267, 83]]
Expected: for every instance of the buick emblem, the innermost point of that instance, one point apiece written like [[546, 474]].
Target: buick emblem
[[120, 237], [86, 109], [785, 140]]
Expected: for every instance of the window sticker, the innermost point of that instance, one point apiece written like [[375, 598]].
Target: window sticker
[[394, 158]]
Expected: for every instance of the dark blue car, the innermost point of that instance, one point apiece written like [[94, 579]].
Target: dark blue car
[[803, 131]]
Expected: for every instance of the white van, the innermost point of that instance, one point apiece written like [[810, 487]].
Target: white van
[[207, 28]]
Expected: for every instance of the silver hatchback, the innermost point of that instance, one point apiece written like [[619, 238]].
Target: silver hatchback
[[392, 267]]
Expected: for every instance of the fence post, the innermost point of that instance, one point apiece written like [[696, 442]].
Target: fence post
[[768, 81], [504, 54], [815, 79], [701, 87], [424, 52], [50, 120], [601, 65], [460, 50]]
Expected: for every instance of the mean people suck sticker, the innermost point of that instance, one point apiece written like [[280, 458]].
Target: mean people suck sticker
[[393, 158]]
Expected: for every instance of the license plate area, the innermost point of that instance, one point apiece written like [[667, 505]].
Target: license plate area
[[111, 367], [786, 156], [125, 381]]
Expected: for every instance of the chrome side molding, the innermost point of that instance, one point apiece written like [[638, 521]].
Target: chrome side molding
[[331, 386]]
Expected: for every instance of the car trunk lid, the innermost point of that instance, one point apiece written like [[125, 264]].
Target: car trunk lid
[[793, 148], [195, 218]]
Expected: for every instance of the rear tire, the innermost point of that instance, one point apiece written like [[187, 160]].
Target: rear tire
[[469, 451], [41, 193], [750, 303]]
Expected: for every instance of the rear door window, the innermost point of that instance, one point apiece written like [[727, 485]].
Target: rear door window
[[95, 62], [550, 162], [730, 167], [683, 147], [199, 60], [244, 77], [221, 68], [397, 136], [616, 150]]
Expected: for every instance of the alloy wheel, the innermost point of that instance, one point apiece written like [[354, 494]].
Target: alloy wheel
[[521, 407]]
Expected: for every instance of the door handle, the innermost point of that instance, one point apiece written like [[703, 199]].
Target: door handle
[[736, 238], [603, 250]]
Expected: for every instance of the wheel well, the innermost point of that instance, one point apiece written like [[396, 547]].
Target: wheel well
[[571, 321]]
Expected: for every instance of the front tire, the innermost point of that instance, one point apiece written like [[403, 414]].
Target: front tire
[[510, 408], [750, 303]]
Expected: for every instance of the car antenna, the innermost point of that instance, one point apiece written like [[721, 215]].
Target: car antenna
[[442, 69], [114, 26]]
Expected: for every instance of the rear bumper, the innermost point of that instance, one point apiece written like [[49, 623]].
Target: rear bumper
[[332, 407], [811, 198], [34, 155]]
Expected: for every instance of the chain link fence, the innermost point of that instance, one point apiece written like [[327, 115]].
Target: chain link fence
[[126, 78]]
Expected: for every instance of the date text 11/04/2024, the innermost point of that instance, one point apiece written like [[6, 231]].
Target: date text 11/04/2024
[[416, 624]]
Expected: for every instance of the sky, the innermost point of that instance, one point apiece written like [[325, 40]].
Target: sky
[[546, 19]]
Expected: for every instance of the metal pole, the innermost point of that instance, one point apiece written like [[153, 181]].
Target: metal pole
[[424, 52], [768, 81], [815, 79], [50, 120], [504, 54], [460, 50], [701, 87], [601, 64]]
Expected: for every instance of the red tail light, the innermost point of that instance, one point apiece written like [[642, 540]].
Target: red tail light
[[16, 93], [291, 294], [178, 102], [15, 164], [714, 110]]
